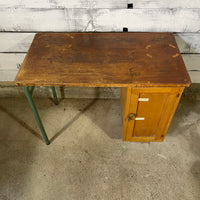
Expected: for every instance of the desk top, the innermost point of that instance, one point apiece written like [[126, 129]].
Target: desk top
[[103, 60]]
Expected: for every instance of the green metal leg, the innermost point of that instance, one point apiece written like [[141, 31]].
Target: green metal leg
[[28, 91], [54, 95]]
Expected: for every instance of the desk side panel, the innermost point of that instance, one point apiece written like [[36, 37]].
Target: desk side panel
[[125, 96]]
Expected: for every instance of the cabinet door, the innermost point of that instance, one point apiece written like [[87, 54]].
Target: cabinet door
[[150, 113]]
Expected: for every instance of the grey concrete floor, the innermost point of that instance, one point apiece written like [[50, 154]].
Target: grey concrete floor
[[87, 158]]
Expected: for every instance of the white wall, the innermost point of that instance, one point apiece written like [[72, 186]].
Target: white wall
[[21, 19]]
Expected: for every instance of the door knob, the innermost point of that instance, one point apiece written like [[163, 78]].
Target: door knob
[[131, 116]]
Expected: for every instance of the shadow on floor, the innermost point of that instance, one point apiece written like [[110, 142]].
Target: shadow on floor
[[105, 115], [25, 163], [186, 123], [21, 122], [76, 117], [187, 109], [16, 155]]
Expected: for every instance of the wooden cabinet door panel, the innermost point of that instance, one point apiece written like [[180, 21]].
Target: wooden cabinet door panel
[[153, 109], [149, 113]]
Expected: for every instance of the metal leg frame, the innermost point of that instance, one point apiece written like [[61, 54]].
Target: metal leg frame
[[54, 95], [28, 92]]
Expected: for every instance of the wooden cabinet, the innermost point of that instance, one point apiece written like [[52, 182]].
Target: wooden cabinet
[[147, 112]]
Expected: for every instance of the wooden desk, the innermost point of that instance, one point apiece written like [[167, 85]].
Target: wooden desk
[[147, 66]]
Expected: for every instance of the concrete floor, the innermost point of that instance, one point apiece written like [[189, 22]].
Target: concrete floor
[[87, 158]]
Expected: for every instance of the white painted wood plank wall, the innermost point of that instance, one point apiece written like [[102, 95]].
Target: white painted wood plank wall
[[99, 3], [21, 19], [165, 20]]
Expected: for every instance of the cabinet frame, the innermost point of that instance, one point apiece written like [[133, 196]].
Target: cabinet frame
[[129, 103]]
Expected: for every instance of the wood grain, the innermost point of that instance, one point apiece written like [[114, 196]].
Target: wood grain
[[12, 61], [100, 4], [168, 113], [60, 20], [103, 59], [148, 20], [195, 76], [157, 112], [20, 42], [192, 61], [188, 42], [151, 112], [64, 4], [165, 3], [7, 75], [125, 96], [132, 104], [17, 44]]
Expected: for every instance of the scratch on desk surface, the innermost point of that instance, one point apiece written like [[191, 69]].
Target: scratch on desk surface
[[171, 45], [150, 56], [148, 46], [175, 55], [69, 35]]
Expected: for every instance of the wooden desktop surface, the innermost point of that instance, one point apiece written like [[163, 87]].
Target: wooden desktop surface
[[103, 60]]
